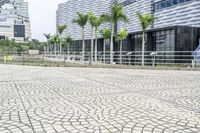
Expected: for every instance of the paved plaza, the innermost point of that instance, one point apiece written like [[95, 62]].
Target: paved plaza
[[97, 100]]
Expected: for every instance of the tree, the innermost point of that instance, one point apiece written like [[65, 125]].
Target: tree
[[95, 22], [55, 40], [8, 46], [68, 41], [48, 36], [145, 21], [91, 18], [106, 33], [82, 21], [116, 14], [122, 35], [60, 29], [12, 47]]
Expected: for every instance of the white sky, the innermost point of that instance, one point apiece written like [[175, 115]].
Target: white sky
[[43, 17]]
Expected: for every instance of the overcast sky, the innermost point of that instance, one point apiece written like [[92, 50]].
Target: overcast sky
[[43, 17]]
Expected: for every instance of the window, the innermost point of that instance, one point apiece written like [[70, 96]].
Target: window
[[165, 41], [163, 4], [168, 3], [127, 2], [181, 1], [174, 2], [19, 31]]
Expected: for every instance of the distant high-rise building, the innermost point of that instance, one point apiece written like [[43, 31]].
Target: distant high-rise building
[[14, 20], [2, 2]]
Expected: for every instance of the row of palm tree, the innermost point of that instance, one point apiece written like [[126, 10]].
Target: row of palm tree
[[106, 33], [122, 36], [60, 30], [116, 14], [82, 21], [145, 21], [58, 40], [48, 36], [95, 22]]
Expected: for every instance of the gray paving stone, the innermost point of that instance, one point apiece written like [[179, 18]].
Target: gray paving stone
[[89, 100]]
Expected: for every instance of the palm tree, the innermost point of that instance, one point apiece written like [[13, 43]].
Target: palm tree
[[122, 36], [116, 14], [48, 36], [106, 33], [68, 41], [60, 29], [82, 21], [95, 23], [145, 21], [51, 44], [55, 40], [91, 18]]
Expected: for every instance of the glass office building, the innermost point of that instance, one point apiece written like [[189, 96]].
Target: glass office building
[[177, 27]]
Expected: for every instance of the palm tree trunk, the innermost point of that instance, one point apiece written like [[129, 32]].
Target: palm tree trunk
[[68, 52], [50, 48], [92, 45], [55, 49], [47, 49], [96, 45], [120, 51], [83, 45], [60, 45], [104, 51], [111, 44], [143, 43]]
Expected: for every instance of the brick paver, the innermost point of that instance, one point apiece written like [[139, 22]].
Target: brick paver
[[86, 100]]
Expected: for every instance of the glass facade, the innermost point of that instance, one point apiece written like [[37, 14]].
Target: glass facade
[[19, 31], [168, 3], [127, 2], [2, 37], [165, 40], [165, 43], [77, 45], [138, 42]]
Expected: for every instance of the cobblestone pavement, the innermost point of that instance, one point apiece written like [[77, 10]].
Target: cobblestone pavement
[[86, 100]]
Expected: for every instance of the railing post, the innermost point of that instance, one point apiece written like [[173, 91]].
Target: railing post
[[154, 57]]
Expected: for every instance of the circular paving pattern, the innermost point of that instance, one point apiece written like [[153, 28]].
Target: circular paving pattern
[[7, 126], [81, 100]]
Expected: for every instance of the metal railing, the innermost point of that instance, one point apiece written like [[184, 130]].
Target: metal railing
[[151, 58]]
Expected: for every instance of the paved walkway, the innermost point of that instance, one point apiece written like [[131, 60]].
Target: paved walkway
[[85, 100]]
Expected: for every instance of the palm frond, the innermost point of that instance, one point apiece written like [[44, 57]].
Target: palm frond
[[106, 18], [123, 33], [145, 20], [61, 28], [47, 36], [116, 13], [106, 33], [81, 20], [55, 39]]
